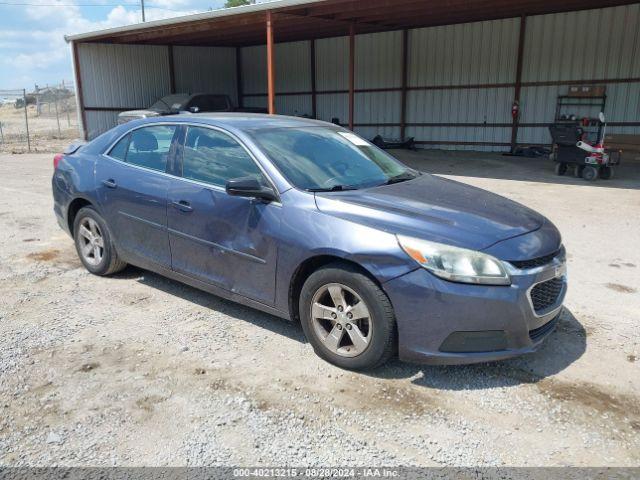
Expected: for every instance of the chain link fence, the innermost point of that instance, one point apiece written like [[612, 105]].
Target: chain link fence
[[40, 120]]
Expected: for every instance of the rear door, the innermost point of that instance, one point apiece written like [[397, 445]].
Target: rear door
[[132, 184], [219, 239]]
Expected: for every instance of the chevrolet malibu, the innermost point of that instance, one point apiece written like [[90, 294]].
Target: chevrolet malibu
[[308, 221]]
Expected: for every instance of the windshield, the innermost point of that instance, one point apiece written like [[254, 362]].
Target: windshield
[[170, 102], [325, 159]]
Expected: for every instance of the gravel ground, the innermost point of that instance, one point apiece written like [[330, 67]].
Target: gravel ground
[[139, 370]]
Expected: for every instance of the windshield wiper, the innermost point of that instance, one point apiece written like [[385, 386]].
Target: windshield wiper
[[335, 188], [403, 177]]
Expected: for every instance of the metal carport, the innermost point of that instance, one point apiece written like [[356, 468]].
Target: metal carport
[[444, 72]]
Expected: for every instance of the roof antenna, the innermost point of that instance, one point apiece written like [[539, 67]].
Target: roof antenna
[[142, 6]]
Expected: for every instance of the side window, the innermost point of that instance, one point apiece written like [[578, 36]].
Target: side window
[[213, 157], [149, 147], [210, 103], [119, 150]]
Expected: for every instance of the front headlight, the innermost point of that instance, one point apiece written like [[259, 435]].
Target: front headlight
[[455, 264]]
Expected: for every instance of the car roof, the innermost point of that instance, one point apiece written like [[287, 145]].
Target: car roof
[[243, 121]]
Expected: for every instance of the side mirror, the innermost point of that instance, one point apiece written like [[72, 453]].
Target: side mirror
[[601, 117], [250, 187], [194, 109]]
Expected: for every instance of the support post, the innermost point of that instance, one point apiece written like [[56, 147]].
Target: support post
[[405, 77], [239, 79], [314, 96], [66, 104], [518, 83], [26, 118], [79, 96], [55, 100], [172, 71], [270, 66], [352, 74]]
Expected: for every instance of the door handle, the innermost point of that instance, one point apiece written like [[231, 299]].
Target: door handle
[[183, 205], [111, 183]]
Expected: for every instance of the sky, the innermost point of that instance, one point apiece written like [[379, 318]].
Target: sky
[[32, 46]]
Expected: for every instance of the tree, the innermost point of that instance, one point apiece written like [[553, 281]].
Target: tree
[[238, 3]]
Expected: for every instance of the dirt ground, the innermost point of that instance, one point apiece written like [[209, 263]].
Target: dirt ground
[[43, 128], [140, 370]]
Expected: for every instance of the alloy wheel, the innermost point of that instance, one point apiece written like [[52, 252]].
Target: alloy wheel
[[91, 241], [341, 320]]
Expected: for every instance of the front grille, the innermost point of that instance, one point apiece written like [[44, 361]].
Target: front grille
[[545, 294], [536, 262], [540, 332]]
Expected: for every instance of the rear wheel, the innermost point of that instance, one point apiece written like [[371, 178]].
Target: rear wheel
[[606, 173], [561, 168], [590, 173], [93, 243], [577, 172], [347, 318]]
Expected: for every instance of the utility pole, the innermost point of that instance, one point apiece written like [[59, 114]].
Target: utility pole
[[142, 5]]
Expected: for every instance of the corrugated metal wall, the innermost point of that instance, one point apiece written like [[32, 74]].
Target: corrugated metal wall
[[588, 45], [483, 53], [469, 54], [293, 74], [205, 70], [123, 77], [120, 76], [378, 65], [461, 78], [482, 57]]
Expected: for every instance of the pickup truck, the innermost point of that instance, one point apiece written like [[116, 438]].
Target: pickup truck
[[186, 103]]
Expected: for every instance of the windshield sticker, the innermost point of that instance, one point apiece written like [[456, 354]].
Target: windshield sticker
[[353, 138]]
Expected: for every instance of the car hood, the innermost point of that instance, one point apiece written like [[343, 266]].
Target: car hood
[[436, 209]]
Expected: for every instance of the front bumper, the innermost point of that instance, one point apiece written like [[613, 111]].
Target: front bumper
[[445, 323]]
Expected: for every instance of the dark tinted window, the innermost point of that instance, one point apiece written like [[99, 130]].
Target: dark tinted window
[[149, 147], [213, 157], [119, 150], [170, 103], [210, 103]]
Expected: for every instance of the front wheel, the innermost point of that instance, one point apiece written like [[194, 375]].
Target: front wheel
[[93, 243], [347, 318], [590, 174]]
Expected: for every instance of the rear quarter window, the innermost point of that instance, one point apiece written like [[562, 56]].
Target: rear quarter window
[[119, 150]]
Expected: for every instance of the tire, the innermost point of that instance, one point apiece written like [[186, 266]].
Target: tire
[[102, 258], [379, 326], [561, 169], [577, 172], [606, 173], [590, 174]]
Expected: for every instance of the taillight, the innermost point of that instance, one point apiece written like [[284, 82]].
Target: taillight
[[56, 160]]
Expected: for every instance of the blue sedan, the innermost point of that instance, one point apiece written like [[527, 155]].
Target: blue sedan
[[308, 221]]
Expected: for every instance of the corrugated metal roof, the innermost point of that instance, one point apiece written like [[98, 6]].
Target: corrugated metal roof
[[220, 13], [314, 19]]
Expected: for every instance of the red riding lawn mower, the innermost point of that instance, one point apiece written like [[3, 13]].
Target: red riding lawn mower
[[571, 148]]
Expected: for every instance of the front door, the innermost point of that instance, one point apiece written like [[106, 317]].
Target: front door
[[133, 186], [219, 239]]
